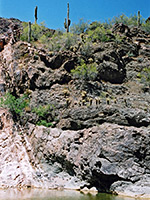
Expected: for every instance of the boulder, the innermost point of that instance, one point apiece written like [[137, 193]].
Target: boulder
[[121, 28], [109, 71]]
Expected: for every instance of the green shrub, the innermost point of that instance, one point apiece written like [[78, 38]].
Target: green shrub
[[100, 34], [44, 123], [42, 111], [37, 32], [24, 35], [129, 21], [118, 38], [86, 49], [144, 76], [63, 41], [15, 105], [43, 39], [94, 25], [146, 27], [80, 27], [85, 72], [44, 114], [69, 40]]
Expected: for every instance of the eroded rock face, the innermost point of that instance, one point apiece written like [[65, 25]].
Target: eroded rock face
[[15, 168], [21, 166], [10, 31], [108, 157], [109, 71], [100, 139]]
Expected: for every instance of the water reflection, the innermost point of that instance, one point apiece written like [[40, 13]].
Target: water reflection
[[37, 194]]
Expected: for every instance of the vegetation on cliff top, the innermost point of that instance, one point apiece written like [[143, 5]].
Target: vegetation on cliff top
[[80, 32], [82, 42]]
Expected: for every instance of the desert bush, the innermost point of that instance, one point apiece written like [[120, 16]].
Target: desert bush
[[118, 38], [15, 105], [63, 41], [85, 72], [44, 123], [42, 111], [86, 49], [94, 25], [37, 33], [144, 76], [24, 34], [45, 114], [100, 34], [80, 27], [132, 20], [146, 27], [43, 39], [129, 21]]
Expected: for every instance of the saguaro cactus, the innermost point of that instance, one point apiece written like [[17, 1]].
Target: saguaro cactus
[[35, 14], [67, 21], [29, 31], [139, 19]]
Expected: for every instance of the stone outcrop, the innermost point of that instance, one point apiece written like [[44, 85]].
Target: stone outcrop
[[107, 157], [102, 150], [100, 135], [15, 168], [10, 31]]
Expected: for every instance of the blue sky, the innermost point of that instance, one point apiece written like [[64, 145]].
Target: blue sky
[[53, 12]]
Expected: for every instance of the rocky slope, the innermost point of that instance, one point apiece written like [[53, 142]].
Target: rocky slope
[[100, 134]]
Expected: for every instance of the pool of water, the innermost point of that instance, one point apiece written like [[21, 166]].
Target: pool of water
[[37, 194]]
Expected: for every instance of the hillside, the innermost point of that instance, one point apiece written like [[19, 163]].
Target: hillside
[[78, 104]]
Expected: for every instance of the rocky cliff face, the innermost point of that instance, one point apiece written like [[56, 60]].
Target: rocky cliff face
[[108, 157], [15, 168], [100, 134]]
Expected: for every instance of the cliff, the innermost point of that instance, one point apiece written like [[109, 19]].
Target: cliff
[[99, 134]]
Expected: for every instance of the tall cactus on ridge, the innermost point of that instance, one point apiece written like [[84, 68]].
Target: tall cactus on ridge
[[139, 19], [67, 21], [35, 14], [29, 32]]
